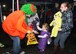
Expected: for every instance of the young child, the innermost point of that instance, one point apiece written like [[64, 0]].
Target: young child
[[43, 37]]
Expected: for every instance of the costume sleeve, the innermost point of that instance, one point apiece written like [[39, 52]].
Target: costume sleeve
[[19, 25], [43, 36], [39, 28]]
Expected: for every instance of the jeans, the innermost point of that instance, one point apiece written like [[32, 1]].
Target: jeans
[[16, 45], [61, 38]]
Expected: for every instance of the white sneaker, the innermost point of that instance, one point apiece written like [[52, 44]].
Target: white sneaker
[[23, 52]]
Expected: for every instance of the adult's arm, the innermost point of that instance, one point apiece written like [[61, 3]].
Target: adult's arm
[[19, 25]]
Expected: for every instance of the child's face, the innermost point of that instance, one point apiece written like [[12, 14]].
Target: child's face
[[43, 27], [63, 7]]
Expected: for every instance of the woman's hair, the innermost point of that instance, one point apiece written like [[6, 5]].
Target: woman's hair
[[67, 4], [45, 25]]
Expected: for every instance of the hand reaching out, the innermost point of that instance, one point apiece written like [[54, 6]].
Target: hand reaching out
[[29, 31], [35, 32]]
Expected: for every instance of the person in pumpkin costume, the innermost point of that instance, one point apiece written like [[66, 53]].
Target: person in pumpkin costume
[[16, 27]]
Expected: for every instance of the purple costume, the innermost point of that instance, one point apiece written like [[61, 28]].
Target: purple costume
[[43, 41]]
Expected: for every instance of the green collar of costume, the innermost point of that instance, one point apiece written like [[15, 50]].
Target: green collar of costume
[[27, 9]]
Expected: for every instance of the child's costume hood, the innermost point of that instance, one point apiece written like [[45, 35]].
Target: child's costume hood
[[29, 9]]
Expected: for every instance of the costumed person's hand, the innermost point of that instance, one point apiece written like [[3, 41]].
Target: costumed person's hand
[[35, 32], [29, 31]]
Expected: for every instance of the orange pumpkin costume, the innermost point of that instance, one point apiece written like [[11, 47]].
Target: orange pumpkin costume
[[15, 24]]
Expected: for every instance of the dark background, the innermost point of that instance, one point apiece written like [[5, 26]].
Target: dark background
[[70, 45]]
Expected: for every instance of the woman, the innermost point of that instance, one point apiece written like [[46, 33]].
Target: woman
[[67, 25]]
